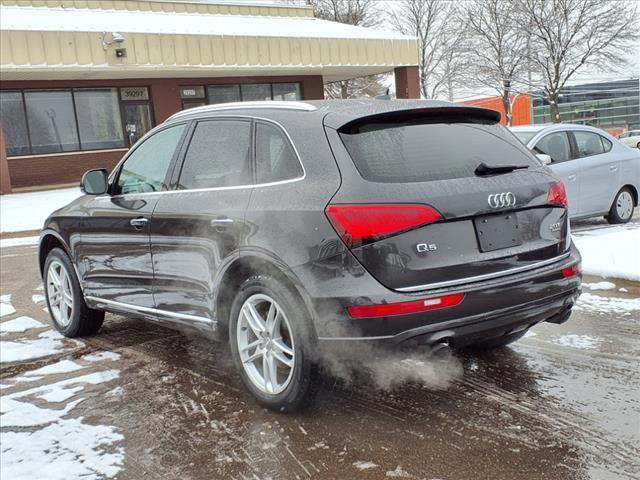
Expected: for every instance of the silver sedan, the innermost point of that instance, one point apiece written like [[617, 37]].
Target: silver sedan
[[601, 175]]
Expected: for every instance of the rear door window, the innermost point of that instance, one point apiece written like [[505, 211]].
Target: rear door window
[[219, 155], [275, 158], [556, 145], [420, 152], [588, 144]]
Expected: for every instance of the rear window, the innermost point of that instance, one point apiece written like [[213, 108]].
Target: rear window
[[420, 152]]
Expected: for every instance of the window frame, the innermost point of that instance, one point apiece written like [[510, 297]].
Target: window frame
[[569, 139], [115, 173], [179, 164], [72, 91]]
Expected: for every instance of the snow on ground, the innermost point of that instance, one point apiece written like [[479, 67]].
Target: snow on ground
[[46, 343], [599, 285], [607, 305], [19, 242], [39, 437], [6, 308], [577, 341], [612, 252], [20, 324], [28, 211]]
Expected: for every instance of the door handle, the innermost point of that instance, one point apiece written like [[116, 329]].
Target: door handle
[[613, 168], [139, 222], [572, 178], [221, 222]]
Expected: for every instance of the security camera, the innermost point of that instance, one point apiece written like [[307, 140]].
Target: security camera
[[117, 37]]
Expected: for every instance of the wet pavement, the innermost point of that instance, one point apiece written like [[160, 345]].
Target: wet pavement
[[139, 401]]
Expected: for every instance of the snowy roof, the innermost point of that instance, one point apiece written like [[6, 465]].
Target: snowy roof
[[181, 23]]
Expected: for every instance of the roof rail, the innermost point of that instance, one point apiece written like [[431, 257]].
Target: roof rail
[[282, 105]]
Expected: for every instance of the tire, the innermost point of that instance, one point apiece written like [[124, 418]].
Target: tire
[[622, 208], [499, 342], [295, 384], [77, 319]]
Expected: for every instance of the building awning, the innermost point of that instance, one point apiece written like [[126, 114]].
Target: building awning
[[67, 43]]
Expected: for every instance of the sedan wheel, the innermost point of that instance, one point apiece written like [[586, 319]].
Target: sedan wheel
[[622, 208], [60, 293], [265, 344], [624, 205]]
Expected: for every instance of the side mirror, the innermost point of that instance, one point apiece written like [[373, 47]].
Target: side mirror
[[544, 158], [95, 182]]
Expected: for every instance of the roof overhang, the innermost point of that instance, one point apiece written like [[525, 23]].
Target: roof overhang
[[39, 43]]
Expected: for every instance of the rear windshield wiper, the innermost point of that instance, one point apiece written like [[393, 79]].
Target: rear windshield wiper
[[484, 169]]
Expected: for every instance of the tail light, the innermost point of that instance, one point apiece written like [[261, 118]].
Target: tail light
[[404, 308], [358, 224], [572, 271], [558, 195]]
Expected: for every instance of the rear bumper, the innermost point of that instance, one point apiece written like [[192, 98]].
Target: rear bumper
[[489, 309]]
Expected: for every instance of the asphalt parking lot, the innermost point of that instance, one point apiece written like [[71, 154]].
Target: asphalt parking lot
[[140, 401]]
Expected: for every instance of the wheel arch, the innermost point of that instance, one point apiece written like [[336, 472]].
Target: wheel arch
[[49, 240], [634, 192], [243, 267]]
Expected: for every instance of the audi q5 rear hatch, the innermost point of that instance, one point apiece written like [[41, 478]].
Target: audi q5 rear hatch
[[438, 197]]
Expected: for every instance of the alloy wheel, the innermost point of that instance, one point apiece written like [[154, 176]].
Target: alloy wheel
[[624, 205], [60, 293], [265, 344]]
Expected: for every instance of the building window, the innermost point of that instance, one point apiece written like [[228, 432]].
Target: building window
[[245, 92], [14, 124], [54, 121], [224, 93], [255, 92], [99, 120]]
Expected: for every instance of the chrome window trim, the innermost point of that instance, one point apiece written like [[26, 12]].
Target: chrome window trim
[[233, 187], [155, 311], [219, 107], [487, 276]]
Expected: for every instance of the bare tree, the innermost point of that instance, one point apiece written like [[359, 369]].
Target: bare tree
[[570, 34], [440, 41], [364, 13], [498, 46]]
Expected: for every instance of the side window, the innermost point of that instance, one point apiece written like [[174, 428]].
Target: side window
[[219, 155], [275, 157], [588, 144], [606, 144], [556, 145], [146, 168]]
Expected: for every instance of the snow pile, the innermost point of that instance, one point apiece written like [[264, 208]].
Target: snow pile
[[611, 252], [39, 440], [28, 211]]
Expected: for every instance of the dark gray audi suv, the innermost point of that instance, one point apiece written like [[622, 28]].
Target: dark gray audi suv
[[297, 226]]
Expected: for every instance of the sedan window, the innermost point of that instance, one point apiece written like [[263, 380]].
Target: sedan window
[[146, 168], [588, 143], [556, 145]]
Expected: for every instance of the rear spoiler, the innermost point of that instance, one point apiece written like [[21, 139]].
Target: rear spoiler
[[448, 114]]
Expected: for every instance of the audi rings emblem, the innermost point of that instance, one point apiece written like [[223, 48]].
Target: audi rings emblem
[[502, 200]]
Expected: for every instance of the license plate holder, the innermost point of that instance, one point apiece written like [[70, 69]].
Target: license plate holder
[[498, 231]]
